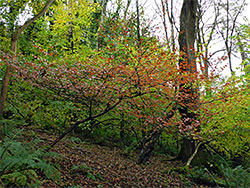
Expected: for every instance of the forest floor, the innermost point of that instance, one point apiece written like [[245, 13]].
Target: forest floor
[[101, 166]]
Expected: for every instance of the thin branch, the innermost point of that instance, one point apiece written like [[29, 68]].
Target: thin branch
[[83, 121]]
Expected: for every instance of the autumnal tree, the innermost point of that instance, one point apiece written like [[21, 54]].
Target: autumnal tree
[[189, 101], [101, 83], [136, 84]]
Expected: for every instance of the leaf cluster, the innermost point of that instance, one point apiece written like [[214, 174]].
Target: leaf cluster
[[21, 163]]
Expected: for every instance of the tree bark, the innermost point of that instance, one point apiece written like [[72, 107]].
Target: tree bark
[[149, 145], [188, 93], [4, 90], [150, 141], [6, 79], [14, 39]]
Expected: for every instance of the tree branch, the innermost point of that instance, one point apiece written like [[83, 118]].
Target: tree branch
[[27, 23], [83, 121]]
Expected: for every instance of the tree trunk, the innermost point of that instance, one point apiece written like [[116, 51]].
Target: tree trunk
[[149, 145], [187, 65], [187, 149], [104, 4], [6, 79], [138, 24], [14, 39], [150, 141], [4, 90]]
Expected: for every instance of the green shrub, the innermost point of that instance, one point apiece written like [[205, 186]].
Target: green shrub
[[224, 175], [84, 169], [22, 161], [235, 177], [41, 108], [167, 144]]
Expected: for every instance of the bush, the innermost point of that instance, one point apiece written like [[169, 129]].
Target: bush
[[223, 175], [235, 177], [22, 161]]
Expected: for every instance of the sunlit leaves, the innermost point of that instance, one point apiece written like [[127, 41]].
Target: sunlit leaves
[[225, 117], [71, 22]]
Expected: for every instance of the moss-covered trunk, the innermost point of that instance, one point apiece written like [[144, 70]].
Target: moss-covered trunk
[[188, 101]]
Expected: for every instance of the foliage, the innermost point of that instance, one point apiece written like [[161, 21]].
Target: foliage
[[11, 14], [125, 89], [21, 162], [144, 80], [224, 176], [84, 169], [36, 35], [168, 144], [201, 174], [242, 40], [71, 24], [226, 120], [102, 79], [235, 177], [39, 108]]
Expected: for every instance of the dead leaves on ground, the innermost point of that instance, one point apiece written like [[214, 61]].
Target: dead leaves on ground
[[88, 165]]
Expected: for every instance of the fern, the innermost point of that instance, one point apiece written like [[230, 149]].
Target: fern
[[20, 162], [88, 170], [236, 177], [7, 127]]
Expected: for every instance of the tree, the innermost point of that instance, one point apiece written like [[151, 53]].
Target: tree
[[242, 41], [227, 26], [166, 12], [71, 24], [206, 33], [16, 32], [103, 12], [189, 93], [103, 82]]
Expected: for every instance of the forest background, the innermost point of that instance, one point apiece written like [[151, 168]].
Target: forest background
[[98, 71]]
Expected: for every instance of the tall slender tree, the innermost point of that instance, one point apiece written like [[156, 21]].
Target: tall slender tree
[[16, 33], [228, 25], [188, 101]]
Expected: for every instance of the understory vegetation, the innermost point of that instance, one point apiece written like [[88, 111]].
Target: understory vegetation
[[91, 98]]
